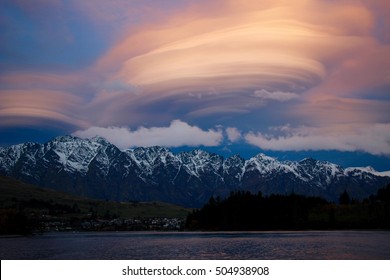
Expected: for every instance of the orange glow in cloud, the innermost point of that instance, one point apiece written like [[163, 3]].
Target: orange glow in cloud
[[320, 64], [39, 104], [322, 53], [242, 46], [29, 80]]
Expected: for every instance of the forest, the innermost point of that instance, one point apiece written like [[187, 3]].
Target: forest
[[244, 211]]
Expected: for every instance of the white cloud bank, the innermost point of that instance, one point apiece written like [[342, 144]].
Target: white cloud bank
[[177, 134], [373, 139]]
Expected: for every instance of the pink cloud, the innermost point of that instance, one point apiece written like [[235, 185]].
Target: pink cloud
[[281, 96], [44, 80], [275, 61], [278, 46], [23, 106]]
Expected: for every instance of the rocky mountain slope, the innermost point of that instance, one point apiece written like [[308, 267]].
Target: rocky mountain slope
[[95, 168]]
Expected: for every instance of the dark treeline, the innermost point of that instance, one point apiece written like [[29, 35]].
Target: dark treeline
[[246, 211]]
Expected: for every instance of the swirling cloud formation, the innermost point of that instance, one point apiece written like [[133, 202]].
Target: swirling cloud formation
[[246, 65]]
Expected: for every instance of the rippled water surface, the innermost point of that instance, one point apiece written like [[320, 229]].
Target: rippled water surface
[[190, 245]]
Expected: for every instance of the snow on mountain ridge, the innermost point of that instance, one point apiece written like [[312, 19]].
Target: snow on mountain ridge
[[367, 169], [96, 168], [76, 154], [73, 153]]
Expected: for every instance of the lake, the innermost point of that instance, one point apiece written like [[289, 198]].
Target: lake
[[297, 245]]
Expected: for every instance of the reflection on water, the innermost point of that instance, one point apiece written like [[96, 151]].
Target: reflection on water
[[199, 245]]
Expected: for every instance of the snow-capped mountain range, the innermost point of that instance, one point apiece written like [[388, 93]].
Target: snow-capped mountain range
[[96, 168]]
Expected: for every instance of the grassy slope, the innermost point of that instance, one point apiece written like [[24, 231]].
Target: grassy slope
[[13, 191]]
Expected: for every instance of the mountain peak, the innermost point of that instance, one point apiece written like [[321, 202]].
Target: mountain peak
[[91, 167], [264, 158]]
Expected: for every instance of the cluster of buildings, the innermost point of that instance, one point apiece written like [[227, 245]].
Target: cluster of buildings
[[118, 224]]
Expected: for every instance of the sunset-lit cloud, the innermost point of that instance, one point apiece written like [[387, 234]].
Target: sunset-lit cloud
[[228, 58], [37, 106], [201, 72], [276, 95]]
